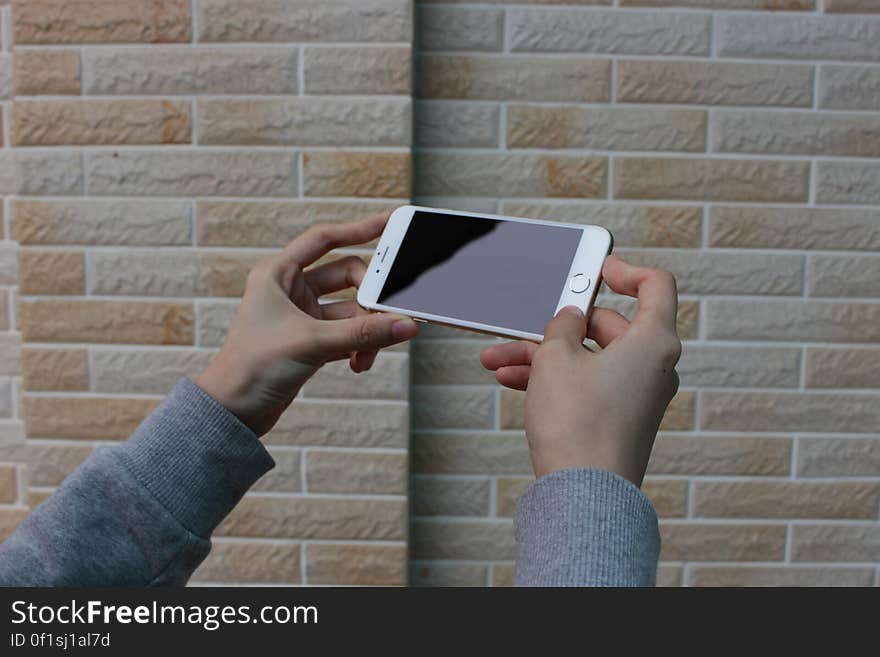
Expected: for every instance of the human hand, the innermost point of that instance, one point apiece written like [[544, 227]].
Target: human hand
[[598, 410], [281, 335]]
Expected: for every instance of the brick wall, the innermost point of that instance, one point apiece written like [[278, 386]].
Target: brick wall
[[738, 147]]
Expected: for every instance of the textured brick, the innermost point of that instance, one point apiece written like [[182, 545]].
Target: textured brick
[[10, 354], [772, 5], [470, 453], [851, 6], [55, 369], [460, 28], [305, 20], [51, 272], [351, 173], [823, 321], [144, 371], [534, 126], [844, 276], [507, 493], [794, 228], [489, 77], [503, 574], [370, 565], [441, 573], [356, 472], [387, 379], [849, 87], [316, 518], [669, 496], [101, 21], [786, 499], [286, 476], [53, 72], [842, 368], [770, 576], [253, 563], [700, 179], [838, 457], [357, 70], [90, 320], [190, 70], [789, 411], [351, 424], [793, 37], [848, 182], [756, 367], [450, 123], [462, 539], [4, 313], [214, 320], [305, 121], [8, 484], [440, 407], [11, 518], [632, 33], [449, 361], [8, 264], [506, 174], [48, 173], [720, 455], [84, 418], [228, 173], [669, 576], [631, 225], [683, 541], [859, 543], [449, 496]]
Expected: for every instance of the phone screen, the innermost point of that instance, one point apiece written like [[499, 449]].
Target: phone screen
[[503, 273]]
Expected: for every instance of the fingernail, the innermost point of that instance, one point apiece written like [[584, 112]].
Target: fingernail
[[404, 329], [572, 310]]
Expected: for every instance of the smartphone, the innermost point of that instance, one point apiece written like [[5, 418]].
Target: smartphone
[[505, 276]]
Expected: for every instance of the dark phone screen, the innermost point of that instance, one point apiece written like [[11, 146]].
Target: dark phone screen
[[504, 273]]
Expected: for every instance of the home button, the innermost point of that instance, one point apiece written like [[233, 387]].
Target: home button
[[579, 283]]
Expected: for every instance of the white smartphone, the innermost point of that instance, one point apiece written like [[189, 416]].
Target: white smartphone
[[504, 276]]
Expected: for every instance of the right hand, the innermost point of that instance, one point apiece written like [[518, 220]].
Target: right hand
[[598, 410]]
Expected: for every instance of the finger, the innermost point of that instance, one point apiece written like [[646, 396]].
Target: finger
[[336, 275], [605, 326], [654, 288], [362, 361], [342, 310], [363, 333], [509, 353], [569, 326], [320, 239], [516, 376]]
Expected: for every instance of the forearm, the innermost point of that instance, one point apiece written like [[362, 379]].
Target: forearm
[[141, 513], [583, 527]]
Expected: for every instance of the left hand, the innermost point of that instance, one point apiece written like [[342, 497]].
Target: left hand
[[281, 335]]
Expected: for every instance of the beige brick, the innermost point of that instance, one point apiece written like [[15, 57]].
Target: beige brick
[[356, 173], [101, 21], [214, 320], [305, 121], [794, 228], [439, 573], [54, 72], [780, 576], [10, 353], [55, 369], [305, 20], [859, 543], [823, 321], [264, 563], [851, 6], [144, 371], [507, 493], [449, 496], [449, 362], [370, 565], [102, 222], [786, 499], [227, 173], [668, 575], [190, 70], [356, 472], [535, 126], [459, 28], [387, 379], [51, 272], [848, 182], [48, 173], [8, 484], [688, 454], [684, 541], [849, 87], [508, 174], [286, 476], [48, 463], [479, 453], [838, 457], [34, 498], [842, 367], [91, 320], [844, 276], [520, 2], [4, 313], [316, 518], [506, 77], [84, 418], [631, 225], [772, 5], [789, 411], [447, 407], [8, 264], [454, 123], [632, 33], [8, 396], [469, 539], [351, 424], [711, 179], [503, 574], [357, 70], [669, 496], [757, 367], [10, 518]]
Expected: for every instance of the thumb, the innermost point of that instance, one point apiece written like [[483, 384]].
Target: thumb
[[569, 325], [366, 333]]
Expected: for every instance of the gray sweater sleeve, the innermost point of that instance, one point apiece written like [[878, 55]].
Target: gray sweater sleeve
[[141, 513], [584, 527]]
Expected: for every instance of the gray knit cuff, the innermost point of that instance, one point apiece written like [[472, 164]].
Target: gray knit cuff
[[583, 527], [195, 457]]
